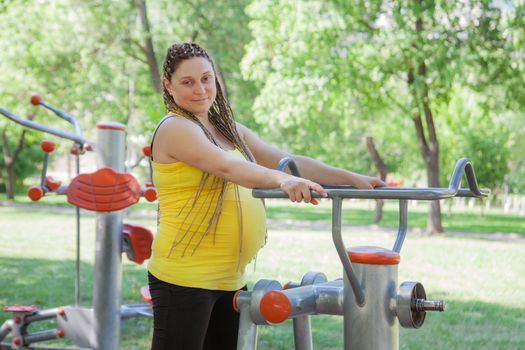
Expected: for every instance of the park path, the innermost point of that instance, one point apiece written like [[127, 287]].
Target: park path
[[290, 224]]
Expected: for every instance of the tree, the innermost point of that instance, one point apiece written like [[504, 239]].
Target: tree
[[363, 57], [101, 60]]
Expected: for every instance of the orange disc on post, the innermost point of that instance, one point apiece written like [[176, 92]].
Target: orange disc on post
[[146, 150], [35, 193], [275, 307], [35, 100], [373, 256], [234, 302], [47, 146], [150, 193]]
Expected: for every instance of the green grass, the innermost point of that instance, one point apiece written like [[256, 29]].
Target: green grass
[[472, 220], [481, 280], [464, 221]]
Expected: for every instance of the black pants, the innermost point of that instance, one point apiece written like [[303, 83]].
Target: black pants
[[186, 318]]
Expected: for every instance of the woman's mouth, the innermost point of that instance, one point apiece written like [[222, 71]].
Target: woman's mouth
[[201, 100]]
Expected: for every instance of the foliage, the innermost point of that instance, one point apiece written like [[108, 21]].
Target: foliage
[[88, 58], [364, 67]]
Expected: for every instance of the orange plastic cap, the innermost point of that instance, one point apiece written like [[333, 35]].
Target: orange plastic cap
[[60, 333], [61, 312], [35, 100], [48, 146], [146, 150], [234, 304], [150, 193], [17, 341], [111, 126], [275, 307], [373, 256], [35, 193]]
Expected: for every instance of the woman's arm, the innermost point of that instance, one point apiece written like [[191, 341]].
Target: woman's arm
[[179, 139], [269, 156]]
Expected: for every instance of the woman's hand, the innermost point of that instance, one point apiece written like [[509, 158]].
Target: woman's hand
[[298, 189], [364, 182]]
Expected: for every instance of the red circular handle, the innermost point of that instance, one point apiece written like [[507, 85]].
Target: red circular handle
[[35, 100], [48, 146], [35, 193], [146, 150], [150, 193], [275, 307]]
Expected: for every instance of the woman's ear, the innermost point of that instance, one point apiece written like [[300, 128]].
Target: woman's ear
[[167, 85]]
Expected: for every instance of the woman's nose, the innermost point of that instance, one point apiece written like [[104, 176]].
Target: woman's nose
[[199, 88]]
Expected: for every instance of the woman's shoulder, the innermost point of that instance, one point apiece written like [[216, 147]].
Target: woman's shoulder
[[175, 121], [241, 129]]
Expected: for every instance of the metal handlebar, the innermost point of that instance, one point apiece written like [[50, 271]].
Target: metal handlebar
[[453, 190], [66, 116], [290, 163], [338, 193], [77, 137]]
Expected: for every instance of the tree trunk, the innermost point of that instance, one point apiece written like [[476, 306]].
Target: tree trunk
[[11, 157], [148, 47], [428, 142], [434, 211], [10, 180], [382, 170]]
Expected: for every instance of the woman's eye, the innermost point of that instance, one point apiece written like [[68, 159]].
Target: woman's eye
[[187, 82]]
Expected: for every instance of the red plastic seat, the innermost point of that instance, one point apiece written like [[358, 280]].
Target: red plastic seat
[[137, 242], [20, 308], [103, 190]]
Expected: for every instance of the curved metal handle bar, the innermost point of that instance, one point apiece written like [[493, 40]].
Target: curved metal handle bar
[[464, 165], [36, 126], [66, 116], [340, 247], [403, 225], [290, 163]]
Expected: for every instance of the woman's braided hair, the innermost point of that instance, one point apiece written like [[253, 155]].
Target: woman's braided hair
[[221, 117]]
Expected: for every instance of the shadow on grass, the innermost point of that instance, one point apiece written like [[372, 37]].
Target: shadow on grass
[[51, 283]]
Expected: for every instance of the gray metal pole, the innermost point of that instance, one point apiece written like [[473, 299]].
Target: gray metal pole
[[374, 325], [247, 338], [302, 333], [107, 275], [77, 262]]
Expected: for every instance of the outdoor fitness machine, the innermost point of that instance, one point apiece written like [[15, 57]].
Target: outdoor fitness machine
[[368, 296], [107, 192]]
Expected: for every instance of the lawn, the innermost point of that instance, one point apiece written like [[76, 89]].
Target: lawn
[[481, 280], [357, 213]]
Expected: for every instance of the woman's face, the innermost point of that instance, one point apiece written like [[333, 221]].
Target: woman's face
[[192, 85]]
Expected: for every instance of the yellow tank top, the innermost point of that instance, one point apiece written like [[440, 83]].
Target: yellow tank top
[[216, 262]]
